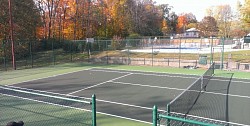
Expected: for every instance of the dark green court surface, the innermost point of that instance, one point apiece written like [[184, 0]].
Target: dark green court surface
[[132, 94]]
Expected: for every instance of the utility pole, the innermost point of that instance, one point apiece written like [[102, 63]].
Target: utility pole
[[11, 36]]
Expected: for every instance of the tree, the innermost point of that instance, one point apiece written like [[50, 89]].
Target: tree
[[118, 17], [165, 29], [186, 21], [182, 23], [190, 17], [24, 22], [172, 21], [223, 16], [144, 25], [245, 12], [4, 24], [208, 26], [79, 19], [210, 11], [192, 25]]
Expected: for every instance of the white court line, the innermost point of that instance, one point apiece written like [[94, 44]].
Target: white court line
[[117, 103], [45, 95], [158, 72], [232, 95], [130, 105], [145, 71], [99, 84], [53, 93], [208, 92], [132, 84], [44, 102], [142, 85], [109, 71], [162, 73], [136, 120], [82, 97], [123, 104], [50, 76], [244, 82], [146, 74], [107, 113], [80, 108], [179, 89]]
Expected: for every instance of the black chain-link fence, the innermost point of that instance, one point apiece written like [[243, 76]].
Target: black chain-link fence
[[184, 53]]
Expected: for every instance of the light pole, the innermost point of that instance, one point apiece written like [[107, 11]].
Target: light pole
[[11, 36]]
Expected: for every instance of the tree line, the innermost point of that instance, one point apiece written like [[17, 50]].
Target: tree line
[[80, 19], [47, 24]]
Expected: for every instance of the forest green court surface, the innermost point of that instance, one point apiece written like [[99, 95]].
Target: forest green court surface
[[128, 93]]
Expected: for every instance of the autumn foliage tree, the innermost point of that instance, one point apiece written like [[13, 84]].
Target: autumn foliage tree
[[103, 18], [26, 19], [25, 22], [182, 23], [208, 26], [245, 12], [191, 21], [224, 16]]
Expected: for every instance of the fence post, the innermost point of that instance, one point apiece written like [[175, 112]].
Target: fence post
[[155, 116], [211, 52], [168, 113], [168, 61], [107, 57], [128, 57], [93, 110], [71, 55], [144, 61], [180, 53], [53, 51], [222, 54], [152, 53], [31, 54], [238, 65], [4, 55], [122, 60]]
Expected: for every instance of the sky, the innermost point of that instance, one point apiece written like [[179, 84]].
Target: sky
[[197, 7]]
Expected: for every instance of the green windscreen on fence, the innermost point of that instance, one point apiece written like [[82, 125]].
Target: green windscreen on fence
[[36, 108]]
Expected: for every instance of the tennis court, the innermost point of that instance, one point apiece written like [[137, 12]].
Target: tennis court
[[132, 94]]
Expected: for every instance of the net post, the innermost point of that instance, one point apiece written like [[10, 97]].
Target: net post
[[155, 118], [168, 114], [93, 110]]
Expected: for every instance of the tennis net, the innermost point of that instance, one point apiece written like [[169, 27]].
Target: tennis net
[[44, 108], [207, 76], [184, 102]]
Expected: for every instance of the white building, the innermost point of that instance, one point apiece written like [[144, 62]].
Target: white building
[[191, 33]]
